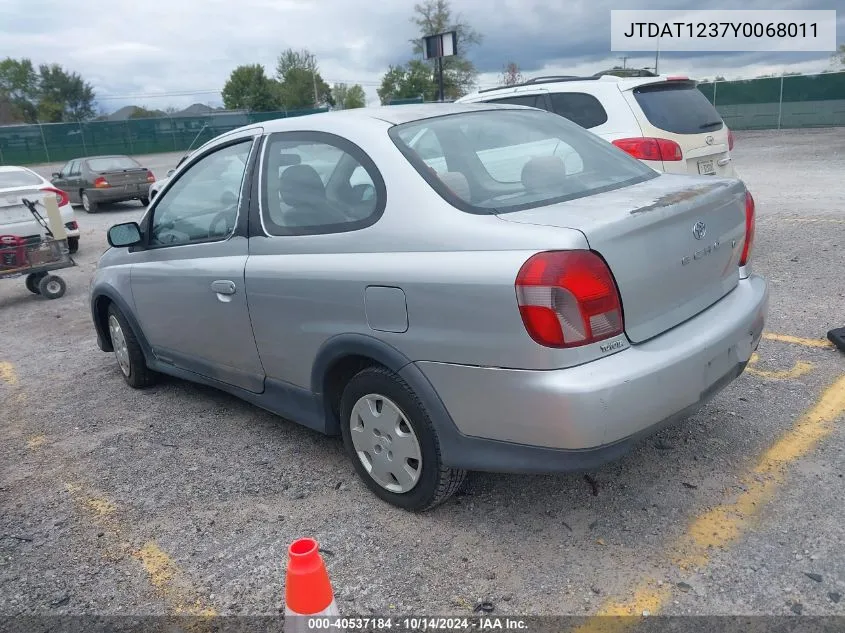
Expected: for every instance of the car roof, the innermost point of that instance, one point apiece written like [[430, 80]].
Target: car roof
[[572, 83], [394, 115], [14, 168]]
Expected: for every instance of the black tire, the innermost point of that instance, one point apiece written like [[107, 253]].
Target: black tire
[[51, 287], [89, 205], [145, 201], [73, 244], [32, 280], [137, 375], [436, 482]]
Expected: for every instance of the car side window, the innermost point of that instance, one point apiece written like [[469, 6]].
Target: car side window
[[76, 168], [203, 203], [580, 108], [533, 101], [318, 183]]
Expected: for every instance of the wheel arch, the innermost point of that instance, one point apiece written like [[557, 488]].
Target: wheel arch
[[344, 355], [100, 303]]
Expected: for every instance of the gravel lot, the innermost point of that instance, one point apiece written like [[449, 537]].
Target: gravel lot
[[182, 498]]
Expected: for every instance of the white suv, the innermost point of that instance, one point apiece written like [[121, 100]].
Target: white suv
[[664, 121]]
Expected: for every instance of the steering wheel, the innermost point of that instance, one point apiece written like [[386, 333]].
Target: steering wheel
[[222, 216]]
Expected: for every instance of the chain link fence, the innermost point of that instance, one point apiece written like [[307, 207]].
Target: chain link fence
[[59, 142], [788, 101]]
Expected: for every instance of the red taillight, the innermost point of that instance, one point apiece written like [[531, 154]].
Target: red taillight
[[71, 226], [677, 78], [749, 229], [101, 183], [61, 196], [730, 140], [568, 298], [150, 176], [645, 148]]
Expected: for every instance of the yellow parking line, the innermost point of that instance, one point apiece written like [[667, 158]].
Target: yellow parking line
[[35, 442], [797, 340], [797, 370], [719, 527], [163, 573], [7, 373]]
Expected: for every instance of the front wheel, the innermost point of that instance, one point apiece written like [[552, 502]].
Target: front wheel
[[128, 352], [392, 442]]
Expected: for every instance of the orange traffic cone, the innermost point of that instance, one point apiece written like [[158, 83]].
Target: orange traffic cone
[[308, 591]]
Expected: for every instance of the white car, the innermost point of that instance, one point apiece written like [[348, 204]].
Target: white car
[[664, 121], [17, 183]]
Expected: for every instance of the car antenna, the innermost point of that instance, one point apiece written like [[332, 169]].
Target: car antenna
[[188, 151]]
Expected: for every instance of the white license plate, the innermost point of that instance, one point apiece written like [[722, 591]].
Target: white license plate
[[130, 188], [706, 168]]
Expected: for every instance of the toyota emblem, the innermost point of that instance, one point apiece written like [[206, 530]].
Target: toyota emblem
[[709, 140], [699, 230]]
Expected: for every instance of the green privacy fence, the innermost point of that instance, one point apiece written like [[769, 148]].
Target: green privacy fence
[[790, 101], [58, 142]]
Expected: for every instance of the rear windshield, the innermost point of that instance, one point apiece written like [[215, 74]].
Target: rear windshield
[[112, 163], [679, 108], [503, 160], [18, 178]]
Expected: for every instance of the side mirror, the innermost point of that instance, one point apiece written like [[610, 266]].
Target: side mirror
[[170, 172], [122, 235], [56, 174]]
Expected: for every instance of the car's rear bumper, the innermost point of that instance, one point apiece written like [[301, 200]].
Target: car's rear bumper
[[118, 193], [535, 421]]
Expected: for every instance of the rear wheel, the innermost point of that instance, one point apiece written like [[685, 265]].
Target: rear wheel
[[32, 282], [51, 286], [392, 442], [127, 351], [145, 201], [89, 205], [73, 244]]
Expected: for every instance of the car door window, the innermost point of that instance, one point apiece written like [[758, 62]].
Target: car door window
[[580, 108], [75, 168], [203, 203], [318, 183]]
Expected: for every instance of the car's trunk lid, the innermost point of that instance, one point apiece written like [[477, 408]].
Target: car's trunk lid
[[14, 211], [673, 244], [118, 171]]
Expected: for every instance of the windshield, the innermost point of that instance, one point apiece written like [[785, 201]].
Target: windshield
[[503, 160], [112, 163], [18, 178]]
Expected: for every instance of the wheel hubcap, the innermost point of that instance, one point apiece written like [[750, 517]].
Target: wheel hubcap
[[386, 443], [53, 287], [85, 204], [118, 342]]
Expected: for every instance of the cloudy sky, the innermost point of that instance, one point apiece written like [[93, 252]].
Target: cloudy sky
[[160, 53]]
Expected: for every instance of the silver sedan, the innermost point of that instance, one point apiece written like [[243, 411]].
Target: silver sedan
[[447, 287]]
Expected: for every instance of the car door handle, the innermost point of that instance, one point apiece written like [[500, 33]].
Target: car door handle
[[723, 162], [223, 287]]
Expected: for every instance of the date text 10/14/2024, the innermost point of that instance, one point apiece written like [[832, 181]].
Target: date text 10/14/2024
[[403, 624]]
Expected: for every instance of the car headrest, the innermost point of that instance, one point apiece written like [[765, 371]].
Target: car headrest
[[301, 185], [543, 173], [458, 184]]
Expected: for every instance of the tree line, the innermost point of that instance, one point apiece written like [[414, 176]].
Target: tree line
[[49, 94]]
